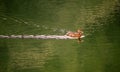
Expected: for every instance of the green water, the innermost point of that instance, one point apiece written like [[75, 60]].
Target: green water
[[98, 52]]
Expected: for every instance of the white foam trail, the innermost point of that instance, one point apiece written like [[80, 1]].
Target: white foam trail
[[40, 36]]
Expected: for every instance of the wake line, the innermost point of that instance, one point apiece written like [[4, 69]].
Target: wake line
[[39, 36]]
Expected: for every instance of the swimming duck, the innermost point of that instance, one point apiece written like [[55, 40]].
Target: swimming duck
[[77, 34]]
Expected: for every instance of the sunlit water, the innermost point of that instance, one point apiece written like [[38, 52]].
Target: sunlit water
[[98, 52]]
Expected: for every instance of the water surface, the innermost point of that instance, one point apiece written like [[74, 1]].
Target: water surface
[[98, 51]]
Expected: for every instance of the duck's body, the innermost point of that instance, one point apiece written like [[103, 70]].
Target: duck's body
[[77, 34], [74, 34]]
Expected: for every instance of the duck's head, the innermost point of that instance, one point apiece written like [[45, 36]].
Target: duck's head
[[79, 31]]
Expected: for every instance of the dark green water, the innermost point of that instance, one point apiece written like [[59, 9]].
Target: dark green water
[[99, 51]]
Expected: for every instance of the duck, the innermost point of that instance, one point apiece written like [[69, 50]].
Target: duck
[[76, 34]]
